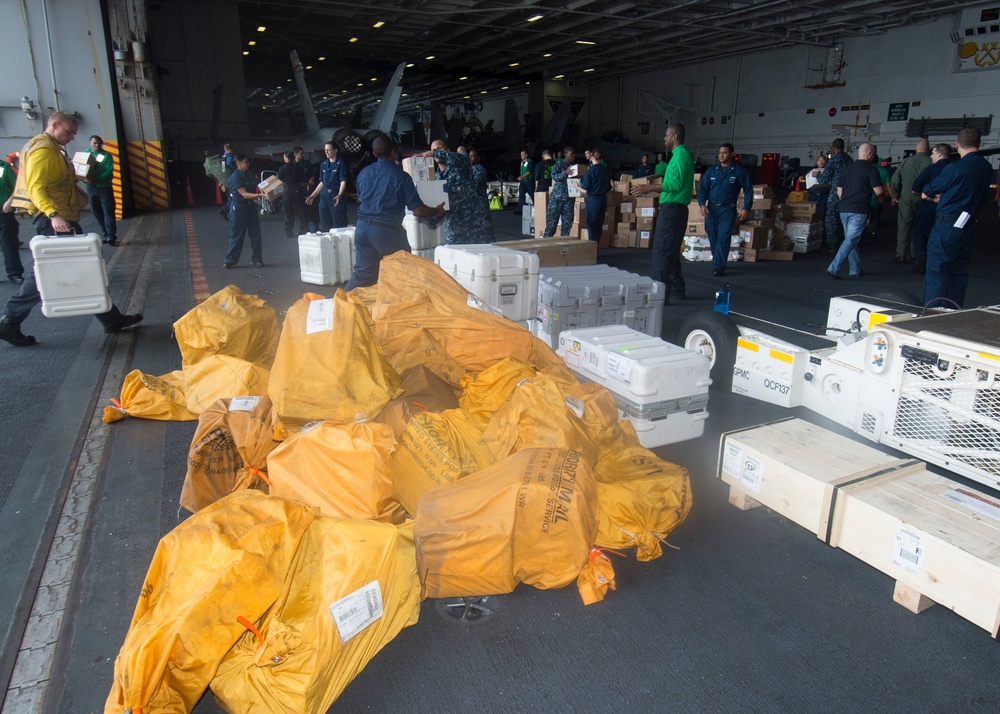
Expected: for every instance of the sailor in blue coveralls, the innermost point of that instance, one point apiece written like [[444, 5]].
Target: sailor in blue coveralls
[[330, 190], [717, 195], [243, 214], [959, 191], [384, 192], [560, 204], [595, 185]]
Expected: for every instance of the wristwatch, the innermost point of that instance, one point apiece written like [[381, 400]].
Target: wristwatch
[[53, 214]]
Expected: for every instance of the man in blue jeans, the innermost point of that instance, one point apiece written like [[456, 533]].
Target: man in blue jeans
[[854, 191]]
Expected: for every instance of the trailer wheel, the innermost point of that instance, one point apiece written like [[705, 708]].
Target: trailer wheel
[[714, 335], [468, 610], [897, 295]]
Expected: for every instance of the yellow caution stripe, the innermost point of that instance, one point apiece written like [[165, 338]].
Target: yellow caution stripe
[[781, 356], [747, 344]]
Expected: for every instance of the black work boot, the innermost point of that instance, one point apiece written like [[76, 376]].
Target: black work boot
[[9, 332], [114, 321]]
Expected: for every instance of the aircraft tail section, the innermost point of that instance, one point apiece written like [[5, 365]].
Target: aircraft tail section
[[312, 123], [385, 113]]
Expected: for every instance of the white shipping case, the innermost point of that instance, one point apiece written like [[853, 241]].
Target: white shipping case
[[326, 258], [433, 193], [71, 276], [661, 388], [420, 235], [503, 278], [528, 220]]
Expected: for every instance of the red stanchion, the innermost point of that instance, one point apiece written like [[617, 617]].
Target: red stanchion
[[190, 194], [218, 195]]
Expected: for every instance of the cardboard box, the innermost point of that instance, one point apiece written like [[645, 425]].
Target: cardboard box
[[624, 227], [696, 228], [645, 236], [625, 177], [694, 211], [762, 204], [645, 242], [646, 202], [646, 180], [573, 188], [433, 193], [615, 198], [420, 168], [84, 165], [623, 186], [806, 209], [541, 199], [645, 224], [754, 237], [768, 254], [620, 240], [271, 188], [580, 214], [647, 211], [556, 251], [627, 207], [762, 190], [576, 170]]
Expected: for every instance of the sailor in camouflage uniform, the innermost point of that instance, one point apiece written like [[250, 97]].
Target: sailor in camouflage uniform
[[560, 204], [831, 175], [461, 224], [481, 182]]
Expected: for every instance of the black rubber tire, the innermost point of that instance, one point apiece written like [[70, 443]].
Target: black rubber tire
[[715, 335], [896, 295]]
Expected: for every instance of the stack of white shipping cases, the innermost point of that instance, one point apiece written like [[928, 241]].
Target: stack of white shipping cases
[[659, 387], [505, 279], [327, 258], [595, 295], [422, 238]]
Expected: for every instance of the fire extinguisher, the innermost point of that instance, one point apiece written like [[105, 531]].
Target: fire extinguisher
[[799, 186]]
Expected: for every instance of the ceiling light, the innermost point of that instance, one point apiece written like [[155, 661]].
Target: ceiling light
[[462, 79], [321, 58], [378, 24], [405, 94], [343, 91], [466, 97], [504, 87], [245, 53], [547, 54], [374, 79], [361, 84], [288, 80], [483, 92], [353, 39], [309, 66], [527, 82], [585, 42], [252, 42], [513, 64], [261, 28], [559, 76], [410, 64], [535, 18], [586, 70], [429, 57]]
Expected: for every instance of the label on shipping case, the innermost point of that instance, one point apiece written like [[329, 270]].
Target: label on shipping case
[[319, 317], [243, 404], [353, 613], [619, 367], [732, 459], [752, 474]]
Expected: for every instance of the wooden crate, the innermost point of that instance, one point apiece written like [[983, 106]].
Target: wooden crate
[[794, 467], [939, 539]]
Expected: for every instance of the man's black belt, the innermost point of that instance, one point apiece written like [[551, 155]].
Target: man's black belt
[[380, 224], [724, 205]]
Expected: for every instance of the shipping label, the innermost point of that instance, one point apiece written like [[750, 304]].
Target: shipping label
[[319, 316], [353, 613]]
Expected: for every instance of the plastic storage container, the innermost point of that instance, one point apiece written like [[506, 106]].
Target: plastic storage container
[[420, 235], [504, 278], [659, 387], [595, 295], [71, 276], [326, 258]]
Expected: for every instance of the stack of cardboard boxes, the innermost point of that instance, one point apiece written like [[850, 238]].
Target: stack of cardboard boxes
[[616, 199], [800, 224], [635, 216]]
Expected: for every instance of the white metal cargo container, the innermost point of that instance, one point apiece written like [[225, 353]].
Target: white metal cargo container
[[661, 388], [420, 235], [71, 276], [503, 278], [326, 258]]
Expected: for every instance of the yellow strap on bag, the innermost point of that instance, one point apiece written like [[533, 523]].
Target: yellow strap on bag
[[149, 397]]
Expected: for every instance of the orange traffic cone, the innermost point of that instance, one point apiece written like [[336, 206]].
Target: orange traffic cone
[[218, 195], [190, 194]]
